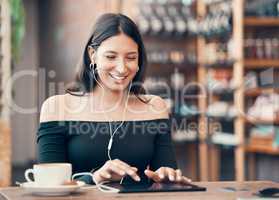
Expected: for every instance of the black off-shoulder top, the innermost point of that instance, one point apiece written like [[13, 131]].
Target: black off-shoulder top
[[84, 144]]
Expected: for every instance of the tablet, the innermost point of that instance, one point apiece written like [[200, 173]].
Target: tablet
[[157, 187]]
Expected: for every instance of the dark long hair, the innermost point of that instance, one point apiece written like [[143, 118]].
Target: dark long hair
[[108, 25]]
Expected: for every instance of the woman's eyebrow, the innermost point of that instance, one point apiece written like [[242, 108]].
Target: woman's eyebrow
[[114, 52], [111, 52], [133, 52]]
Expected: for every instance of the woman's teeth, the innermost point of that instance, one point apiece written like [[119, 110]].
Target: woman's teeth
[[118, 77]]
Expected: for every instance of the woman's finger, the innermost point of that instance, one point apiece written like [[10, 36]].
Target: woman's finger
[[162, 173], [120, 162], [115, 169], [135, 169], [127, 169], [171, 174], [152, 175], [104, 174], [125, 166], [185, 180], [178, 177]]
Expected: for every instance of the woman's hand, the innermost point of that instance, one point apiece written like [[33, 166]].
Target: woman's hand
[[167, 174], [114, 170]]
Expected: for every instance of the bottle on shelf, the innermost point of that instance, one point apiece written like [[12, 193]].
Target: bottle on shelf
[[262, 8], [173, 57], [143, 19], [166, 18], [218, 21], [261, 48]]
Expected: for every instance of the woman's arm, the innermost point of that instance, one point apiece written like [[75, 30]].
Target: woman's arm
[[51, 142], [163, 165], [164, 153], [51, 135]]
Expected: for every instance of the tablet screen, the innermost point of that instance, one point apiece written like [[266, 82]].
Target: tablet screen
[[156, 187]]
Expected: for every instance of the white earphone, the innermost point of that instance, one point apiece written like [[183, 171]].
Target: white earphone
[[112, 133], [110, 127]]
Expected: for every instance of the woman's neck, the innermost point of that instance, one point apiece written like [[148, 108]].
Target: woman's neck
[[109, 100]]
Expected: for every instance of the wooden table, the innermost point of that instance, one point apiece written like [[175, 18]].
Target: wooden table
[[215, 191]]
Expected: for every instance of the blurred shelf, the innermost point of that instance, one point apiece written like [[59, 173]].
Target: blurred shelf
[[261, 149], [221, 118], [258, 91], [261, 63], [187, 117], [172, 39], [227, 92], [185, 65], [263, 122], [261, 21], [182, 136], [221, 37], [184, 142], [225, 64], [177, 140], [216, 2], [224, 139]]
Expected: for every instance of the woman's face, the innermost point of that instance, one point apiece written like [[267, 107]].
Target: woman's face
[[117, 62]]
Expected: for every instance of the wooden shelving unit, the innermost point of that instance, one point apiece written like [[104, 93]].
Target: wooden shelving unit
[[258, 91], [240, 23], [208, 152], [202, 102], [262, 149], [262, 122], [5, 97], [253, 24], [260, 63], [209, 162], [261, 21], [238, 76]]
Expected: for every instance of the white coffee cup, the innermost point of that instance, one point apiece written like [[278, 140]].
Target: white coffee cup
[[52, 174]]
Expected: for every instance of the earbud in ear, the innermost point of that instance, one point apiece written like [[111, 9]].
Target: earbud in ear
[[91, 66]]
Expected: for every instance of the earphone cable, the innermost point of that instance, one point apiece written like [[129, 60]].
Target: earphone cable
[[110, 127], [123, 116]]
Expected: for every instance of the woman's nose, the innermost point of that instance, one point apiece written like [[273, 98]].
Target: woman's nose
[[121, 67]]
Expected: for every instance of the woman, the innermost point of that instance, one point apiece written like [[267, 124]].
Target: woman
[[105, 122]]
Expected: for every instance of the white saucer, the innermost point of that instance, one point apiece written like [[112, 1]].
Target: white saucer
[[51, 191]]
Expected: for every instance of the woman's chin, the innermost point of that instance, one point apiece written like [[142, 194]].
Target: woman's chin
[[117, 87]]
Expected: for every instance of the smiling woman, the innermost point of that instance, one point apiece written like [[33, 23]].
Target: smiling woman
[[106, 112], [117, 63], [113, 42]]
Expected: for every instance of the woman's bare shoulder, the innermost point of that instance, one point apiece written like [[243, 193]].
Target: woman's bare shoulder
[[51, 108], [57, 107]]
